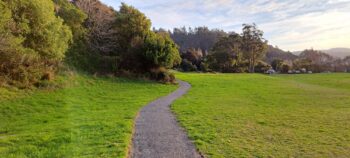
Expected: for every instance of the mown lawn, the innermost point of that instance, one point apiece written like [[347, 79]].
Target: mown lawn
[[93, 117], [253, 115]]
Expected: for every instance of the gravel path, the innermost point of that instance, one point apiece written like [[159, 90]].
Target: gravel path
[[158, 134]]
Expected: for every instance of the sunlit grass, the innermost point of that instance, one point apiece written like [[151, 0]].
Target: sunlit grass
[[93, 117], [252, 115]]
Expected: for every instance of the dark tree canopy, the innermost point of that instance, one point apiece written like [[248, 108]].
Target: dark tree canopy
[[197, 38]]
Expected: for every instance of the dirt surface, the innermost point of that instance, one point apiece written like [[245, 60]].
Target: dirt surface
[[158, 134]]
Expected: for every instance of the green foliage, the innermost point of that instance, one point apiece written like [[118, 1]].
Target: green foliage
[[262, 67], [141, 50], [226, 54], [201, 37], [130, 24], [73, 17], [159, 50], [285, 68], [79, 55], [254, 45], [33, 40], [42, 31], [193, 60], [253, 115], [187, 66], [91, 117], [277, 64], [237, 53]]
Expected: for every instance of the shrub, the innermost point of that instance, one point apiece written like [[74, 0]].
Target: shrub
[[285, 68], [162, 75], [32, 41], [187, 66], [262, 67]]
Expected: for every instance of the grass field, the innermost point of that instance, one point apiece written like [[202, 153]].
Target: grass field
[[252, 115], [89, 118]]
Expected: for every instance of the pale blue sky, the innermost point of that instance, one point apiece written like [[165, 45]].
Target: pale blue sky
[[290, 24]]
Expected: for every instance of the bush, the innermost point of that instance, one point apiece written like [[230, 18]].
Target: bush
[[187, 66], [285, 68], [24, 71], [262, 67], [162, 75], [32, 41]]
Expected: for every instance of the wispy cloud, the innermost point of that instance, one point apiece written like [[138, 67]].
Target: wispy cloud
[[290, 24]]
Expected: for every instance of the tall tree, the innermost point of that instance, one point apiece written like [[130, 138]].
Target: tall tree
[[254, 45], [132, 27], [100, 20], [226, 55]]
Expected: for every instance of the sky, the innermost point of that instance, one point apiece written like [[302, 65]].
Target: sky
[[290, 24]]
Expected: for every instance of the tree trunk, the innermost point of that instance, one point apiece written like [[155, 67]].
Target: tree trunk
[[253, 64]]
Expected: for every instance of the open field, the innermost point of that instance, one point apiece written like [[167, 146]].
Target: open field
[[89, 118], [253, 115]]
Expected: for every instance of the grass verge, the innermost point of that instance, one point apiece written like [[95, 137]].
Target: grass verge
[[93, 117]]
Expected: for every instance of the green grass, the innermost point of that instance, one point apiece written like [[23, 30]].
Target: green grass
[[89, 118], [253, 115]]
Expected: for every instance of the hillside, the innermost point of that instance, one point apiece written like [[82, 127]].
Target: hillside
[[335, 52], [276, 53], [338, 52]]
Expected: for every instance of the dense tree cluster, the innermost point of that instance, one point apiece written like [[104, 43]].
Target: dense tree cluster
[[196, 38], [246, 52], [225, 52], [36, 36]]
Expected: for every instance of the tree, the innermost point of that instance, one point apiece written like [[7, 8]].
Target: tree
[[262, 67], [100, 20], [35, 40], [285, 68], [319, 61], [277, 64], [132, 27], [194, 57], [72, 16], [79, 54], [158, 51], [346, 62], [226, 55], [197, 38], [302, 63], [254, 45], [41, 30]]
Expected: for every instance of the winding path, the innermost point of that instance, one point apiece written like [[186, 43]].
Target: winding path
[[158, 134]]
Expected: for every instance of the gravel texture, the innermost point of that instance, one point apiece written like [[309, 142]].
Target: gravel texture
[[157, 132]]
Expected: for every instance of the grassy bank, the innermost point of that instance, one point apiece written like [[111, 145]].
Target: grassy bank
[[92, 117], [252, 115]]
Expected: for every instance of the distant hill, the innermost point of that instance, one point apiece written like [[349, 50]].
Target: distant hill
[[338, 52], [277, 53], [335, 52]]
